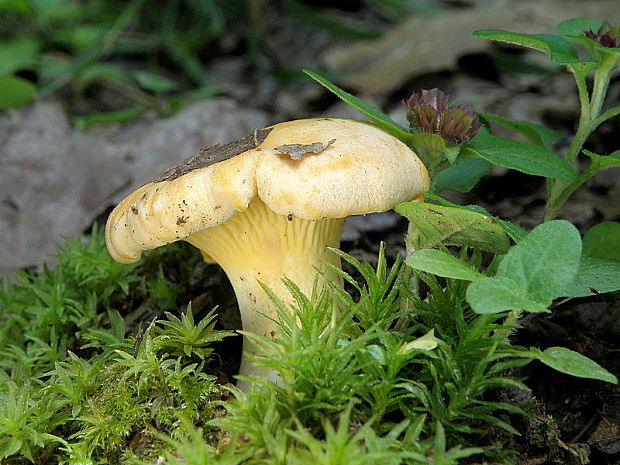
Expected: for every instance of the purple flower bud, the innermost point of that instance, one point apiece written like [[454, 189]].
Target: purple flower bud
[[607, 36], [429, 112]]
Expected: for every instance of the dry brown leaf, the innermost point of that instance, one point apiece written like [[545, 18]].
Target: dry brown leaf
[[55, 180]]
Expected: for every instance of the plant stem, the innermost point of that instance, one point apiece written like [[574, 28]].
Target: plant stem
[[568, 189], [601, 82], [560, 191]]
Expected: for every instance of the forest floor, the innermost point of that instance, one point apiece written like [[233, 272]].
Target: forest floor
[[58, 180]]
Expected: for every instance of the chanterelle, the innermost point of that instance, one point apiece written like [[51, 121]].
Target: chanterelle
[[268, 206]]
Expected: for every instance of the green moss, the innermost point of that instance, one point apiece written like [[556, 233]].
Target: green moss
[[382, 374]]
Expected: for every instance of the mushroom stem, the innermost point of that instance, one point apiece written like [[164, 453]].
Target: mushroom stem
[[259, 246]]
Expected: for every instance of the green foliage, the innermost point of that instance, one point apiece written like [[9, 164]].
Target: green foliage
[[461, 176], [96, 37], [442, 263], [403, 370], [548, 262], [572, 363], [465, 365], [532, 273], [190, 448], [182, 337], [543, 266], [44, 314], [603, 241], [72, 380], [16, 91], [539, 135], [365, 108], [340, 447], [26, 422], [437, 225], [595, 276], [522, 156], [536, 157], [601, 60], [516, 233], [86, 46], [148, 391], [529, 277], [381, 376], [357, 389], [601, 162], [559, 49], [480, 306]]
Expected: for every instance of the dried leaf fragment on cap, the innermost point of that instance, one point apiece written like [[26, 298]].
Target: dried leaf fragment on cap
[[297, 151]]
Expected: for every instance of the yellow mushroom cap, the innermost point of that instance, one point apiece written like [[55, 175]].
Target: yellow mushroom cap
[[309, 169]]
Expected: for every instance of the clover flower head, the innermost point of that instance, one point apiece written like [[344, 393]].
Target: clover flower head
[[606, 35], [429, 112]]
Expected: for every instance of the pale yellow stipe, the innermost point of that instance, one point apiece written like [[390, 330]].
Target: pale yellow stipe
[[258, 245]]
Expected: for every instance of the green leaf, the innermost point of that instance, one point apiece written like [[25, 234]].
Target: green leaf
[[608, 52], [424, 343], [606, 115], [118, 116], [533, 273], [559, 50], [516, 233], [57, 11], [499, 294], [545, 261], [15, 91], [452, 153], [434, 225], [527, 158], [80, 38], [576, 26], [581, 70], [15, 6], [154, 82], [430, 147], [572, 363], [539, 135], [365, 108], [98, 72], [442, 263], [462, 176], [573, 29], [604, 161], [18, 53], [595, 276], [603, 241]]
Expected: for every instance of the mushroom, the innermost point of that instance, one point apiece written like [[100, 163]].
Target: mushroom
[[268, 206]]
